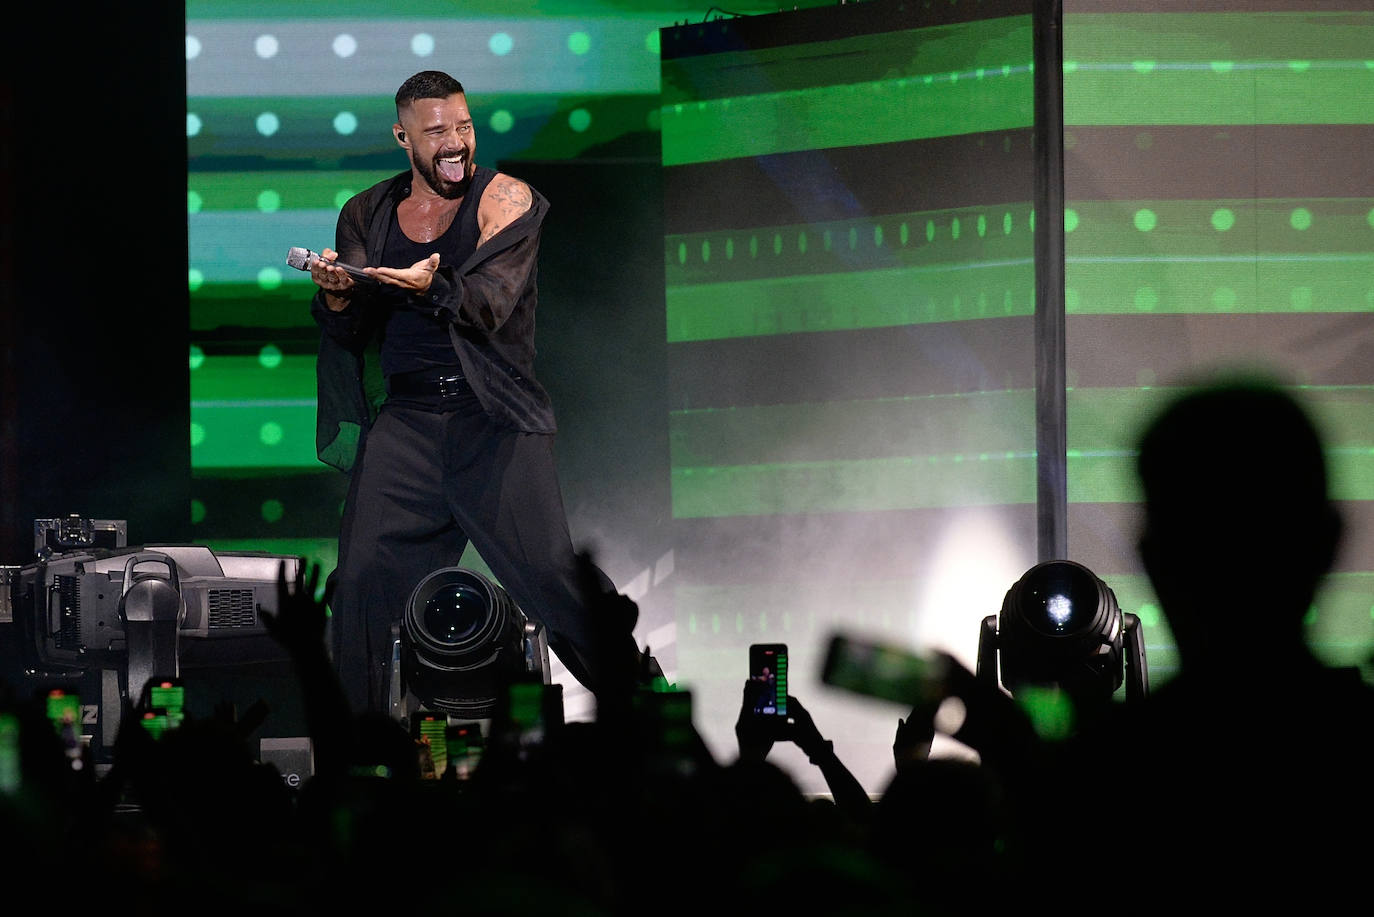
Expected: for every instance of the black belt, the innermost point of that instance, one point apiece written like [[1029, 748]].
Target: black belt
[[420, 385]]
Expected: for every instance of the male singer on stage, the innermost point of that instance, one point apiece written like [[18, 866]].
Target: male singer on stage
[[462, 444]]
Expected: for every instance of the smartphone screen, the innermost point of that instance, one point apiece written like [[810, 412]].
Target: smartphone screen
[[533, 710], [463, 744], [11, 773], [155, 722], [430, 728], [882, 671], [768, 678], [64, 710], [169, 696]]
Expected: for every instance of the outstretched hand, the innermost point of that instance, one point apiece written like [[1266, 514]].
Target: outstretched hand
[[915, 735], [300, 620], [415, 279]]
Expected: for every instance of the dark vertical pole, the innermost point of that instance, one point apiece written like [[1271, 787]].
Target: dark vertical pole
[[1051, 439]]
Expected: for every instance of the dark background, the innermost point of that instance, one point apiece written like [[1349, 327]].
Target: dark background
[[93, 295]]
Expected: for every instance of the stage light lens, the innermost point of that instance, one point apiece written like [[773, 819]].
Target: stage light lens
[[1061, 599], [455, 614]]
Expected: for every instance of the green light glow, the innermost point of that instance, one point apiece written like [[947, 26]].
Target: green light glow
[[1301, 219], [197, 359], [346, 123], [579, 119], [269, 278], [230, 396], [500, 44], [1256, 285], [273, 510], [747, 460], [579, 43], [833, 301], [270, 356], [501, 121], [1148, 615], [921, 93], [849, 486], [1223, 218], [270, 433], [1050, 711], [1254, 83], [1101, 468], [845, 115], [1145, 220], [193, 202], [1224, 299]]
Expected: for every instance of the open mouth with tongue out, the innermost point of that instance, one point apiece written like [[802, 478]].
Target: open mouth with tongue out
[[453, 168]]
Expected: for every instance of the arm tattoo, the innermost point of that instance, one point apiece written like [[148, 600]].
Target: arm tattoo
[[513, 197], [509, 199]]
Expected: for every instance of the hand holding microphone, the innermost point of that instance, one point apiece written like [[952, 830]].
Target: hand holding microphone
[[414, 279], [303, 259]]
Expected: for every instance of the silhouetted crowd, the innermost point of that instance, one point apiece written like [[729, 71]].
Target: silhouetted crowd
[[1240, 783]]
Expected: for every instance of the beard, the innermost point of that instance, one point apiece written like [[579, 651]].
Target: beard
[[450, 190]]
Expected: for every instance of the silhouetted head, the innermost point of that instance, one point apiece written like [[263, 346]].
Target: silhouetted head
[[1239, 527]]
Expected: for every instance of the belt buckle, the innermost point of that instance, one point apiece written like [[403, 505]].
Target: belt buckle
[[449, 386]]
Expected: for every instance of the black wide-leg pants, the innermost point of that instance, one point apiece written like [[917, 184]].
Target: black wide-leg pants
[[426, 481]]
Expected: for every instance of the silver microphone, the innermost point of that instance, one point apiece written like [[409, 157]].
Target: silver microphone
[[302, 259]]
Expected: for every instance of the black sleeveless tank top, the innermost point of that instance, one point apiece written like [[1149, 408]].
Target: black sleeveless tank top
[[415, 341]]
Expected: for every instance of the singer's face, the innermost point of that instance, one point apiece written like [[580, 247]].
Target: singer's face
[[442, 144]]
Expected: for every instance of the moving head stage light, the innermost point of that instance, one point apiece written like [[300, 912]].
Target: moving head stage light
[[1060, 626], [105, 622], [147, 610], [460, 641]]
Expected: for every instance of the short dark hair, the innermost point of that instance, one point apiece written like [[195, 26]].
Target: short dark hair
[[427, 84]]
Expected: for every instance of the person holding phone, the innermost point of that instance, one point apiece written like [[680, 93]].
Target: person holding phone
[[782, 718]]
